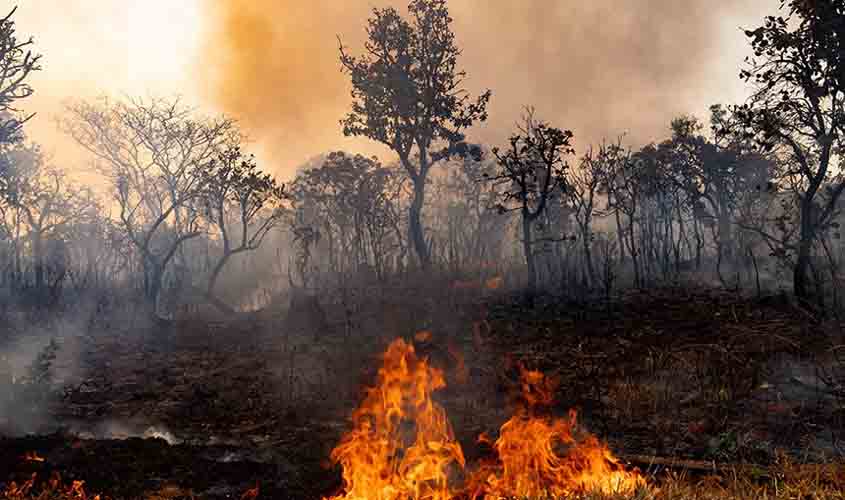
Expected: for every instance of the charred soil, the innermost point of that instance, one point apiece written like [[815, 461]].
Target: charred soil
[[211, 409]]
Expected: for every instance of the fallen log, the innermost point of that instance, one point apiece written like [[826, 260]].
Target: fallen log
[[672, 463]]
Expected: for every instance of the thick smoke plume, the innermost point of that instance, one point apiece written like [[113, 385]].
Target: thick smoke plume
[[600, 68]]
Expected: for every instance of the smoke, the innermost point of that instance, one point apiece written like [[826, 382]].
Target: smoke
[[37, 357], [600, 68]]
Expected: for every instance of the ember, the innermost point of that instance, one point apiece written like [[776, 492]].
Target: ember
[[402, 445], [32, 456], [53, 489]]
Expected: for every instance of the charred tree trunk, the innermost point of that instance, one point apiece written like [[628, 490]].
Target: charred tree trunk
[[415, 227], [621, 236], [725, 236], [38, 264], [634, 253], [586, 235], [800, 274], [529, 252], [212, 282]]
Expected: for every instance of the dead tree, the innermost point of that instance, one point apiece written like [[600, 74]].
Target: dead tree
[[242, 204], [153, 153], [530, 170], [38, 205], [582, 187]]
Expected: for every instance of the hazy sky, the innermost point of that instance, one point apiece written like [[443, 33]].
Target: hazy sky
[[600, 68]]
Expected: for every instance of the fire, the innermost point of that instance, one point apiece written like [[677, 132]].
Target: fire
[[540, 457], [494, 283], [32, 456], [54, 488], [402, 446]]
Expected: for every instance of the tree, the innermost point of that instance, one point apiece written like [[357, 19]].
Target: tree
[[465, 214], [352, 201], [242, 203], [38, 205], [17, 62], [407, 93], [797, 110], [583, 185], [153, 152], [532, 169], [715, 173], [622, 181]]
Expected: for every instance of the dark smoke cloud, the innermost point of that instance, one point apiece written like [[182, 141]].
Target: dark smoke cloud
[[601, 67]]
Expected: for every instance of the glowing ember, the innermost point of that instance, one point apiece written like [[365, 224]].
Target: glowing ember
[[402, 447], [32, 456], [54, 488], [494, 283], [250, 494], [422, 336]]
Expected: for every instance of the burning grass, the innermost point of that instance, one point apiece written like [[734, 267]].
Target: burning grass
[[52, 489], [402, 446], [658, 384]]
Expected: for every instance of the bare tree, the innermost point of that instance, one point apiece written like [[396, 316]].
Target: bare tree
[[582, 187], [17, 62], [153, 152], [408, 94], [38, 205], [532, 170], [243, 204]]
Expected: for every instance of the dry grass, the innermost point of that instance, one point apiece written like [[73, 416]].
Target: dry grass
[[782, 482]]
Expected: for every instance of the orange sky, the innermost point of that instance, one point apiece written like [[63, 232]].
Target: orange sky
[[198, 49]]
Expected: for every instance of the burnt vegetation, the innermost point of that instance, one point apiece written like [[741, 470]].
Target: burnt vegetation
[[192, 325]]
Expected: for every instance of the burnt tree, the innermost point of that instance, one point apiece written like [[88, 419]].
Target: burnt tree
[[531, 170]]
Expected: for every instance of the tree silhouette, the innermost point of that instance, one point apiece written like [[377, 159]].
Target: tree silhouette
[[242, 203], [797, 110], [532, 170], [153, 152], [408, 94], [17, 62]]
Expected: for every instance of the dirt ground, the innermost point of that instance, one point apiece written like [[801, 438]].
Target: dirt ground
[[213, 409]]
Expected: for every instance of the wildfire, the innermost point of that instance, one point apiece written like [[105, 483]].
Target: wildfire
[[539, 456], [402, 446], [54, 488]]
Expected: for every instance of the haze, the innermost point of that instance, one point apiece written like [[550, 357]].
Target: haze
[[600, 68]]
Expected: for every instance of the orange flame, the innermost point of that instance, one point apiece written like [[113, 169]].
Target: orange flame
[[423, 336], [531, 466], [53, 489], [539, 456], [251, 494], [402, 446], [32, 456], [494, 283]]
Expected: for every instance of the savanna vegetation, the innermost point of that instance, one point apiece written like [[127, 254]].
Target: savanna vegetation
[[194, 326]]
